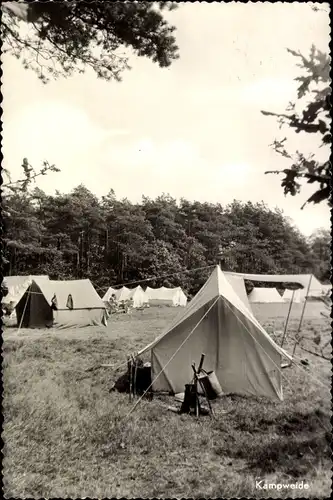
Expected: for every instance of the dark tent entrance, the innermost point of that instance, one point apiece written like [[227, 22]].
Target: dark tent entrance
[[33, 310]]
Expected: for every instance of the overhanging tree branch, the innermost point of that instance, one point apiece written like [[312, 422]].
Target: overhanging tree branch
[[29, 176], [76, 35], [314, 119]]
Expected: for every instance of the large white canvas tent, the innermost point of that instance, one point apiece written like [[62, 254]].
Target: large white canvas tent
[[265, 295], [294, 295], [166, 296], [62, 304], [216, 322]]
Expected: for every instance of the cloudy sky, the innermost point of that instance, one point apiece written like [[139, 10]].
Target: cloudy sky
[[193, 130]]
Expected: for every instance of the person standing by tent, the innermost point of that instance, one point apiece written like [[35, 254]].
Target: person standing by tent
[[113, 303]]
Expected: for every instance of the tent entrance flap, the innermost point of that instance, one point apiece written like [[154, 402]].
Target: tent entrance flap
[[33, 311]]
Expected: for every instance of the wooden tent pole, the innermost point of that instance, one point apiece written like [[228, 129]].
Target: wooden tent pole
[[197, 409], [129, 367], [287, 320], [302, 316], [135, 361]]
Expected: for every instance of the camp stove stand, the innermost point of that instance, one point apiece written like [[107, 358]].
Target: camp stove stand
[[191, 403]]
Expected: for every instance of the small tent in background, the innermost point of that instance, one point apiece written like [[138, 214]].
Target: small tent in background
[[62, 304], [317, 290], [182, 298], [288, 296], [17, 286], [122, 294], [265, 295], [166, 296], [111, 291], [216, 322], [138, 296]]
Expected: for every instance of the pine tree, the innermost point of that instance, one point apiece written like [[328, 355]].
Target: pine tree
[[68, 37]]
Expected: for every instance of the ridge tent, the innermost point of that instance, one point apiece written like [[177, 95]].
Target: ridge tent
[[109, 294], [288, 296], [265, 295], [138, 296], [245, 359], [166, 296], [63, 304]]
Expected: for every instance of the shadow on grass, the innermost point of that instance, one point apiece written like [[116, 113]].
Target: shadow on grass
[[291, 444]]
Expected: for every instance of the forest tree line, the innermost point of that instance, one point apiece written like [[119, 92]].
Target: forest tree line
[[111, 241]]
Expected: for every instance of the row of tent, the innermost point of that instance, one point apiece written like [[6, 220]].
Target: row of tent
[[153, 296], [218, 321], [37, 301]]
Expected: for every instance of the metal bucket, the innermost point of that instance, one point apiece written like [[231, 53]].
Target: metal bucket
[[211, 385]]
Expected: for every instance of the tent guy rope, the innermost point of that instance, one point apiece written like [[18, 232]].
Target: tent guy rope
[[155, 277]]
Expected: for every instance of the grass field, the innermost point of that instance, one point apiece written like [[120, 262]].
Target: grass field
[[65, 435]]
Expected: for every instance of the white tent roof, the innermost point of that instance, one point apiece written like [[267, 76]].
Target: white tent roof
[[109, 294], [83, 293], [302, 279], [135, 290], [163, 294], [245, 359], [138, 296], [17, 286], [265, 295], [122, 294]]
